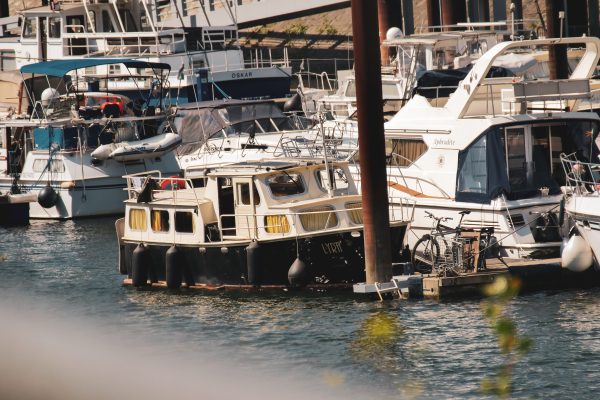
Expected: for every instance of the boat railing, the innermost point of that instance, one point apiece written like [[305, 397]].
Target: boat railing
[[316, 81], [510, 96], [581, 177], [252, 225], [79, 42]]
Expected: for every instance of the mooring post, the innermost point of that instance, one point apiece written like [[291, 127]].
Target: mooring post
[[557, 55], [384, 25], [378, 265]]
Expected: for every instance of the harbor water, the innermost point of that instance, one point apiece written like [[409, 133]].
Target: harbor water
[[62, 302]]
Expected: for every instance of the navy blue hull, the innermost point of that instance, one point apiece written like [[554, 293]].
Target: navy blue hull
[[330, 259], [14, 214]]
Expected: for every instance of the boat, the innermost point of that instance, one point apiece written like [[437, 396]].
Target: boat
[[223, 132], [265, 224], [135, 150], [414, 56], [52, 143], [493, 149], [582, 206], [205, 59]]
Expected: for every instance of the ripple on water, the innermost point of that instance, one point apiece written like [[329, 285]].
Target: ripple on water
[[439, 350]]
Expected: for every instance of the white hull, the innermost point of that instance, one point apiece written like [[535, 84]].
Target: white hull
[[585, 213], [84, 189], [515, 237]]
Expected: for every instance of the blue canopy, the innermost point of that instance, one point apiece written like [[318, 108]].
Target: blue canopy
[[61, 67]]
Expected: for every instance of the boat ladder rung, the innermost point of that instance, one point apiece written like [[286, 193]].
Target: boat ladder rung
[[387, 287]]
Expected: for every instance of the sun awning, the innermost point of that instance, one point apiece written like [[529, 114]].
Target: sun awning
[[61, 67]]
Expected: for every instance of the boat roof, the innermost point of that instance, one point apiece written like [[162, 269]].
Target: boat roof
[[431, 38], [260, 167], [60, 68]]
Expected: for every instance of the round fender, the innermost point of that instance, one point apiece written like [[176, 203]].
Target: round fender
[[577, 254], [140, 262], [174, 261]]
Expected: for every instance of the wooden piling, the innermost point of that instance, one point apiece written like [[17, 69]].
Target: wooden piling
[[369, 100]]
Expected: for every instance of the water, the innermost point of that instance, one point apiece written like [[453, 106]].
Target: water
[[396, 349]]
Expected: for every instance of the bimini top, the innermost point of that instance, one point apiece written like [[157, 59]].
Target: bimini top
[[60, 68]]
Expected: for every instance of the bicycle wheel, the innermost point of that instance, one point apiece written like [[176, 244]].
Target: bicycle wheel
[[425, 252]]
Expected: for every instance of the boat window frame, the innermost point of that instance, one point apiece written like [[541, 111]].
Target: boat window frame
[[320, 182], [193, 221], [305, 187], [56, 166], [144, 227], [313, 211], [160, 210], [49, 24], [349, 209], [392, 146], [33, 33]]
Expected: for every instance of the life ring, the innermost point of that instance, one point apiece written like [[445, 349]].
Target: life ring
[[172, 183]]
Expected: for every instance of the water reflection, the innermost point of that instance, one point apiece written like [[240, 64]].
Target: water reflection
[[391, 350]]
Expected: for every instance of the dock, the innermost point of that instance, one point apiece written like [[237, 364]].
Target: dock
[[538, 274]]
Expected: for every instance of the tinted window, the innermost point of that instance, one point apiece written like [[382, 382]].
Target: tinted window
[[184, 222], [286, 184]]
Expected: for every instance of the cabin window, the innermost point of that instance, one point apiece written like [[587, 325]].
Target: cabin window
[[184, 222], [159, 220], [243, 194], [7, 61], [75, 24], [354, 211], [107, 25], [276, 224], [137, 219], [338, 179], [404, 152], [30, 27], [42, 165], [286, 184], [318, 218], [54, 27]]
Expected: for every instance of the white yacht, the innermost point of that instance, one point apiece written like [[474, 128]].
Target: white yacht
[[494, 149], [71, 29], [413, 56], [71, 149], [233, 131]]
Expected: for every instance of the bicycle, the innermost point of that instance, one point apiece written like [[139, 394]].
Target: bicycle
[[457, 255]]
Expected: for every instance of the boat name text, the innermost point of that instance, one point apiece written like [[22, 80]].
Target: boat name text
[[237, 75], [332, 247], [444, 142]]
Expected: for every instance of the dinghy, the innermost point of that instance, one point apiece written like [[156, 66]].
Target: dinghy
[[138, 150]]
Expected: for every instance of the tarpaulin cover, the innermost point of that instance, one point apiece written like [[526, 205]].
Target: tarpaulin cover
[[198, 122], [441, 83]]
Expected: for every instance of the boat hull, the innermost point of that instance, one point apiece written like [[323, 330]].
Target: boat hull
[[330, 259]]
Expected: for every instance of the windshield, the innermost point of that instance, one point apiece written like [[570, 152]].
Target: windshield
[[522, 161]]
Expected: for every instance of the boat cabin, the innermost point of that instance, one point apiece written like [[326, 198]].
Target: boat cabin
[[242, 202]]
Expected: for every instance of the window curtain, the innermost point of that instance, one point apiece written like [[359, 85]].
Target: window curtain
[[318, 218], [355, 213], [276, 224], [137, 219]]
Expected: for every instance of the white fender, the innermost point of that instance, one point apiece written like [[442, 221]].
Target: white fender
[[577, 254]]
